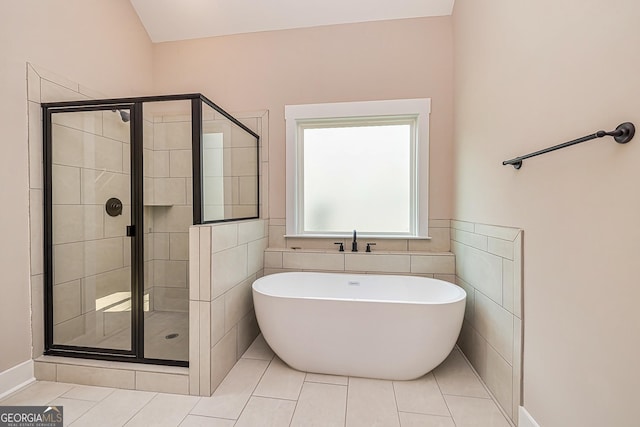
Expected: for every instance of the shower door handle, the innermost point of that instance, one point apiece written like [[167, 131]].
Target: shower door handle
[[131, 230]]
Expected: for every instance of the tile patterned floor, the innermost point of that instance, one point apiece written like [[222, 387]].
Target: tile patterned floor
[[262, 391]]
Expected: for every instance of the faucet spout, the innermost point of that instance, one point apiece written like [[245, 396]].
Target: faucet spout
[[354, 244]]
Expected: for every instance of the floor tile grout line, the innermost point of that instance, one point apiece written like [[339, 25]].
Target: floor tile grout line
[[253, 390], [435, 378], [395, 401], [139, 410], [79, 400], [346, 406], [189, 412]]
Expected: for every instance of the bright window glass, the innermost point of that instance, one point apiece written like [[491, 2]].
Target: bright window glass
[[357, 176], [358, 166]]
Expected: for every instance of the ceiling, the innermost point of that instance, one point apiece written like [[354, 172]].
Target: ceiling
[[169, 20]]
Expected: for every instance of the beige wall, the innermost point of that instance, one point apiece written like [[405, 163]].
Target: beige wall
[[531, 75], [99, 43], [380, 60]]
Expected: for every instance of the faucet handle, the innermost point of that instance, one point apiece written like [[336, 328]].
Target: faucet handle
[[369, 246], [341, 248]]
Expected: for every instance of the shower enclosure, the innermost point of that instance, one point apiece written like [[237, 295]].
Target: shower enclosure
[[124, 180]]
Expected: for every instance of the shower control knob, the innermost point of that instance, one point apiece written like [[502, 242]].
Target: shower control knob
[[113, 207]]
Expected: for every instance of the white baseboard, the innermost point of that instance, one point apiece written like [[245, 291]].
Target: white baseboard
[[525, 419], [15, 378]]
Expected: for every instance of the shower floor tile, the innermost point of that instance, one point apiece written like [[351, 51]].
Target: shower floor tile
[[285, 398]]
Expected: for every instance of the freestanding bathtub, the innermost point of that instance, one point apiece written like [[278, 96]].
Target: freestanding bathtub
[[374, 326]]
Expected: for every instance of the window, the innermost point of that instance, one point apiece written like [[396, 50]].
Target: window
[[358, 165]]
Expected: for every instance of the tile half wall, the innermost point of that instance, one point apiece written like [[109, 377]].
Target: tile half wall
[[489, 267]]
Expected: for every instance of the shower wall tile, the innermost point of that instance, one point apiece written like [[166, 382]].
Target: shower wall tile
[[70, 221], [66, 190], [491, 275], [148, 163], [100, 186], [72, 147], [179, 246], [170, 191], [147, 134], [161, 164], [103, 255], [171, 274], [148, 192], [172, 136], [244, 161], [171, 299], [66, 301], [189, 182], [180, 163], [67, 331], [87, 121], [174, 219], [107, 283], [114, 127], [68, 262], [115, 226], [161, 248]]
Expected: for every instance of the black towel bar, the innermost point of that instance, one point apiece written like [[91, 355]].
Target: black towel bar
[[622, 134]]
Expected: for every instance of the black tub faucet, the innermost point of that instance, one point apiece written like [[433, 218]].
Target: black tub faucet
[[354, 244]]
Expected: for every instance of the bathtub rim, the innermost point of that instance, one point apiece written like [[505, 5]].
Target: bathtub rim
[[462, 294]]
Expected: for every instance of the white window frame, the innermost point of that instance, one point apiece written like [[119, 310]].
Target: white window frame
[[297, 115]]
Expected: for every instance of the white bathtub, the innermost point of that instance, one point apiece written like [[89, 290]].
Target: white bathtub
[[374, 326]]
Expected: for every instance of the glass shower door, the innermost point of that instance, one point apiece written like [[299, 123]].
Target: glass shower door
[[90, 214]]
